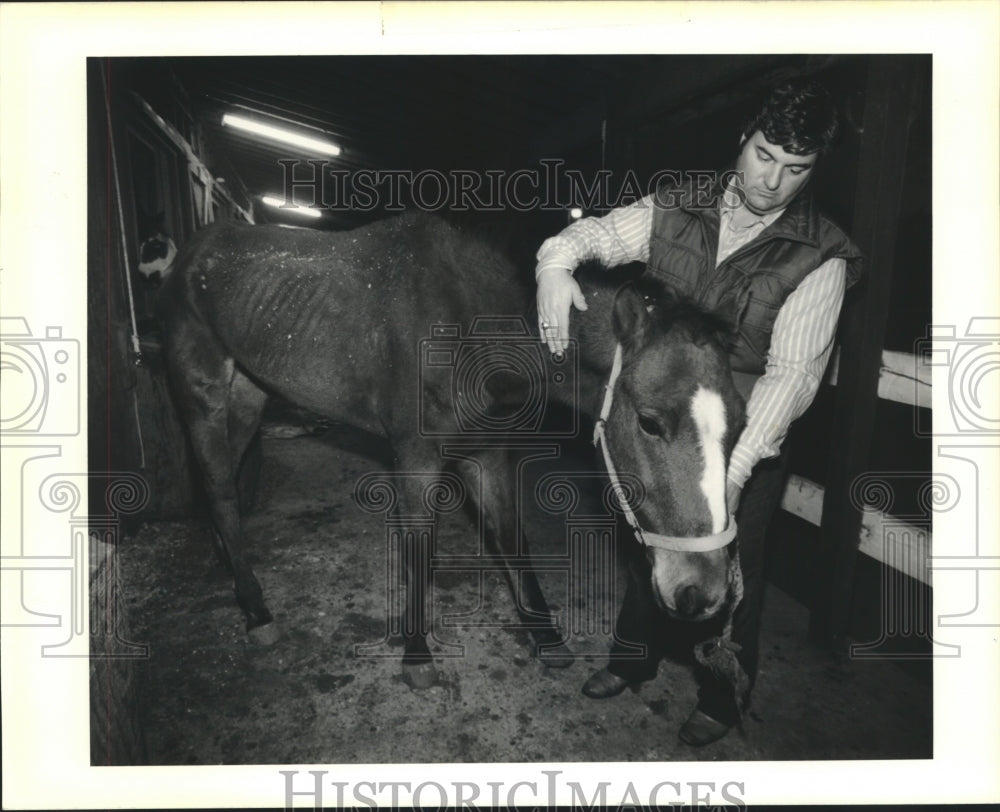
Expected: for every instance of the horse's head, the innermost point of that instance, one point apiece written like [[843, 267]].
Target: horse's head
[[674, 419]]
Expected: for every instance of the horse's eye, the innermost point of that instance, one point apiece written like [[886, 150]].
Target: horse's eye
[[649, 425]]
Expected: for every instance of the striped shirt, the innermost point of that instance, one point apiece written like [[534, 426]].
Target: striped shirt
[[803, 334]]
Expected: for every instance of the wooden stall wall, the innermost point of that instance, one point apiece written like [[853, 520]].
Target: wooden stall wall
[[147, 173], [871, 497]]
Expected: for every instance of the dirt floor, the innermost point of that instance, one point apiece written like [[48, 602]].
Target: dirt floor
[[210, 696]]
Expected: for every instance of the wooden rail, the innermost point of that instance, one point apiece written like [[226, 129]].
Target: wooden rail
[[903, 378], [893, 542]]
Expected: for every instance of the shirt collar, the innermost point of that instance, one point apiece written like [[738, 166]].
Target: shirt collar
[[747, 218]]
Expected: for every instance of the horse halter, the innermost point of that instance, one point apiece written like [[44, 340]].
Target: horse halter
[[685, 544]]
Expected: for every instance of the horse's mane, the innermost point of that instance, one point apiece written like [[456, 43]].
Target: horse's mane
[[667, 309], [670, 311]]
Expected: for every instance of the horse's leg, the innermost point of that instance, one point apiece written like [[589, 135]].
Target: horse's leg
[[418, 664], [495, 468], [246, 404], [203, 377]]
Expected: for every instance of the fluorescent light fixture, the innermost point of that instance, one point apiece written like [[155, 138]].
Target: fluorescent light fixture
[[279, 203], [576, 214], [278, 134]]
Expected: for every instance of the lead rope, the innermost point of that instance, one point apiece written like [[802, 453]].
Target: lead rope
[[718, 654]]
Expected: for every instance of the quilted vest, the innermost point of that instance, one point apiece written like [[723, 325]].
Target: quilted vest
[[751, 284]]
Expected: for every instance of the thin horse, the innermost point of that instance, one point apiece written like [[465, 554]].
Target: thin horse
[[332, 321]]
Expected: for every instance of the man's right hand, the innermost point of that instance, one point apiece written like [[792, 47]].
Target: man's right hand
[[557, 289]]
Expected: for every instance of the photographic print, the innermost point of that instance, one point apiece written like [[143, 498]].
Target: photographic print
[[503, 422]]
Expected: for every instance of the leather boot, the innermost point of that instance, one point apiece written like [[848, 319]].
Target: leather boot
[[604, 685], [701, 729]]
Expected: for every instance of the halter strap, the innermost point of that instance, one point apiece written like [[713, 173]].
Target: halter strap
[[686, 544]]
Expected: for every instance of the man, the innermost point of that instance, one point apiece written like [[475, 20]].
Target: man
[[758, 250]]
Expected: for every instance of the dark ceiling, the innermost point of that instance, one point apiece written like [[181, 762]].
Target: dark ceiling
[[454, 112], [446, 111], [399, 111]]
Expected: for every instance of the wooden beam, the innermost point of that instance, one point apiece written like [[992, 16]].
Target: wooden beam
[[903, 377], [195, 164], [895, 543], [889, 102], [803, 498]]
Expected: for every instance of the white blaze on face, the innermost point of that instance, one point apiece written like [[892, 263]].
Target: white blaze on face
[[709, 415]]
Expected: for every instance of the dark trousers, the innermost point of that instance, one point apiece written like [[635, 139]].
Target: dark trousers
[[641, 622]]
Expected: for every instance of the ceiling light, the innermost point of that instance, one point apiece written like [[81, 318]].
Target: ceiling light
[[279, 203], [576, 214], [278, 134]]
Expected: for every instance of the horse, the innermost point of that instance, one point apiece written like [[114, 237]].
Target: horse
[[334, 322]]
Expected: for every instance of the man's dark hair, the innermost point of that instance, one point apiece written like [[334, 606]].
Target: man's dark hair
[[799, 115]]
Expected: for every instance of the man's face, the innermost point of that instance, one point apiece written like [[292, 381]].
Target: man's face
[[771, 175]]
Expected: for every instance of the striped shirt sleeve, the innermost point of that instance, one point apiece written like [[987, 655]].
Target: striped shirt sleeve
[[801, 343], [619, 237]]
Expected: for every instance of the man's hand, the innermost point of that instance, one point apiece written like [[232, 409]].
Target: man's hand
[[733, 492], [557, 289]]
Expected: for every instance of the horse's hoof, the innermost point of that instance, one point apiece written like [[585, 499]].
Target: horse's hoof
[[419, 677], [266, 635], [558, 656]]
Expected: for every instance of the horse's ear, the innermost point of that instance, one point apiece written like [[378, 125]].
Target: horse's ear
[[630, 315]]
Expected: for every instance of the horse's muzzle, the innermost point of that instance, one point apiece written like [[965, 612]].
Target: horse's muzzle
[[690, 603]]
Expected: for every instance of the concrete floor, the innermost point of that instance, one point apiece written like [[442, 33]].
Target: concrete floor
[[209, 696]]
